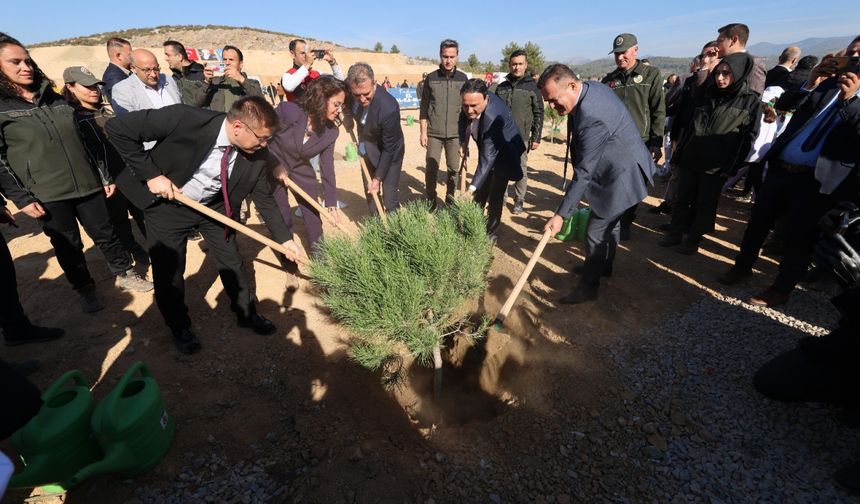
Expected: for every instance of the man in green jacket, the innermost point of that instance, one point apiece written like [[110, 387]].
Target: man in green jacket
[[640, 87], [520, 93], [439, 116]]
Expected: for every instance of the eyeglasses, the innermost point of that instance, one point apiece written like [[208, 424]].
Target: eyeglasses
[[155, 69], [339, 106], [261, 139]]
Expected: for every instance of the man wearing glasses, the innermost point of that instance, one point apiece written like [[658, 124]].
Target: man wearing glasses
[[217, 159], [147, 88]]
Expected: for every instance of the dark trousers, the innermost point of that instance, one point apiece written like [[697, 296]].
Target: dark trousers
[[119, 208], [795, 197], [168, 225], [305, 178], [601, 241], [695, 210], [390, 188], [492, 194], [753, 179], [12, 317], [61, 225], [435, 146]]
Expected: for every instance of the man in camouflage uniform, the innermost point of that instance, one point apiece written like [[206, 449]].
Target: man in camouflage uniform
[[640, 87]]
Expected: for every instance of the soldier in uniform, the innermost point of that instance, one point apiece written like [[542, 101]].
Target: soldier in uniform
[[639, 86]]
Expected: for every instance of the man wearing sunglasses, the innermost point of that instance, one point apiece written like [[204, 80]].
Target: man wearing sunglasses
[[217, 159], [147, 88]]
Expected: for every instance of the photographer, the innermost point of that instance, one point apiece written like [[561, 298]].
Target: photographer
[[219, 93], [811, 167], [297, 78]]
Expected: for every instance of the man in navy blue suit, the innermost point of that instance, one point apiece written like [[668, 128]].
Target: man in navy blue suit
[[611, 168], [486, 118], [119, 68], [380, 137]]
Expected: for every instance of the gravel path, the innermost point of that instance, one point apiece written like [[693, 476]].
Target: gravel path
[[715, 439]]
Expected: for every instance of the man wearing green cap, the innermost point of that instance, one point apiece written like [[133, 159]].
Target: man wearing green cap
[[639, 86]]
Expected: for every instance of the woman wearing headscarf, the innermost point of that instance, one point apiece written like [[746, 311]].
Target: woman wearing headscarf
[[725, 123]]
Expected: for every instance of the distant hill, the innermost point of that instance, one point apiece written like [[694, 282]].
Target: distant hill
[[600, 67], [816, 46], [195, 36]]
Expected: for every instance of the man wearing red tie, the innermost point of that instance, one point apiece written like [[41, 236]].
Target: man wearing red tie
[[196, 151]]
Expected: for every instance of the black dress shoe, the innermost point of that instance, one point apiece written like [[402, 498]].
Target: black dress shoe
[[186, 341], [734, 275], [259, 324], [581, 294], [579, 270], [32, 334], [670, 240]]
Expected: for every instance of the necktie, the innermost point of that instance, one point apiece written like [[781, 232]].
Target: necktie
[[820, 130], [225, 162]]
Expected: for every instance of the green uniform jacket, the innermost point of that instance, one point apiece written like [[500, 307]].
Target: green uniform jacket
[[524, 100], [41, 154], [641, 89], [440, 103], [720, 134]]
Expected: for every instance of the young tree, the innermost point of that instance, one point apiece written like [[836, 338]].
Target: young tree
[[473, 62], [402, 288], [394, 49], [377, 47]]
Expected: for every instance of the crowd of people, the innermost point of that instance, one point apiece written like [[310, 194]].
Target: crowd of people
[[98, 150]]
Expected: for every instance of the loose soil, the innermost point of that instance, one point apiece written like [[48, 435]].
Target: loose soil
[[337, 434]]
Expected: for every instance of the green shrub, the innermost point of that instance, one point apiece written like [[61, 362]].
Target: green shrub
[[401, 288]]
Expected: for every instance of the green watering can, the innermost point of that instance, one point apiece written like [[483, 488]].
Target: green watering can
[[574, 227], [132, 426], [410, 120], [58, 441], [351, 152]]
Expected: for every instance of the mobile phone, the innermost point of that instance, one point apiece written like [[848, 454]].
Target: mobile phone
[[319, 53], [847, 64]]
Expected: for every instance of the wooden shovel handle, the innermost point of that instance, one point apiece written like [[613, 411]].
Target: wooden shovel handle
[[506, 308], [367, 180], [313, 202], [245, 230]]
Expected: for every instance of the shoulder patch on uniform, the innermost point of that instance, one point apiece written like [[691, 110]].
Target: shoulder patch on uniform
[[637, 79]]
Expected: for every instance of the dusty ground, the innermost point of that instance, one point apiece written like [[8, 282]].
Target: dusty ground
[[333, 433]]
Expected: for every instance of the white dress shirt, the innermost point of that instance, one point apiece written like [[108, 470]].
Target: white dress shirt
[[205, 185]]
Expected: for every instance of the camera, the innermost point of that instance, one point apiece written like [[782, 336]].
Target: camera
[[319, 53], [847, 64]]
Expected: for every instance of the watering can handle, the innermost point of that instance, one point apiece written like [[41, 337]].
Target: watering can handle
[[69, 375], [113, 398]]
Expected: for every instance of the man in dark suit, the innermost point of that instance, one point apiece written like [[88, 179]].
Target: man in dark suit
[[119, 68], [612, 167], [380, 137], [778, 75], [811, 166], [490, 123], [195, 151]]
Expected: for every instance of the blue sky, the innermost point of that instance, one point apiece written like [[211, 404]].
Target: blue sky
[[563, 29]]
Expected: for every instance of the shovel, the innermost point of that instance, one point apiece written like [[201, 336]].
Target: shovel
[[245, 230], [298, 191], [512, 298], [367, 180]]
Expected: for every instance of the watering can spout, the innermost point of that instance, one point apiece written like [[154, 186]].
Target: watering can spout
[[116, 460]]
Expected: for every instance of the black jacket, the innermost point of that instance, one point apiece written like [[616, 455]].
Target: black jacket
[[112, 75], [776, 76], [184, 137], [192, 72], [500, 144], [523, 98], [381, 134]]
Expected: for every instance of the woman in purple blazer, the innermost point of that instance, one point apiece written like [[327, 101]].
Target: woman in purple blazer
[[309, 131]]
